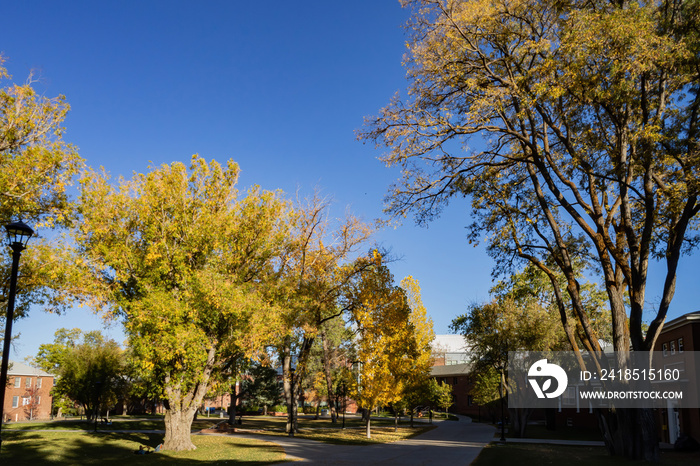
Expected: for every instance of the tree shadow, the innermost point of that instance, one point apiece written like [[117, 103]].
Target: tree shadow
[[105, 448]]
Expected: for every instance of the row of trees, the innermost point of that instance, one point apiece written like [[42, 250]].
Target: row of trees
[[204, 277]]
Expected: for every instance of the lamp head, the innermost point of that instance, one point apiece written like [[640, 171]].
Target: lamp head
[[18, 235]]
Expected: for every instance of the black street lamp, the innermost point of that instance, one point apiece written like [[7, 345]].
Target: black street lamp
[[503, 419], [293, 406], [18, 235]]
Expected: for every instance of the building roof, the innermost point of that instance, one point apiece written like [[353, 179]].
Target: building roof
[[19, 368], [682, 320], [451, 370], [450, 343]]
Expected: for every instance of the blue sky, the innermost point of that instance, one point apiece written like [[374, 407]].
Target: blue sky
[[278, 86]]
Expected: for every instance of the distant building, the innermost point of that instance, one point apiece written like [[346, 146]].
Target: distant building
[[452, 366], [678, 340], [28, 395], [450, 349]]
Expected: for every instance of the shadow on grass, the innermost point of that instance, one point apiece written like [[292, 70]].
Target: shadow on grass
[[71, 448]]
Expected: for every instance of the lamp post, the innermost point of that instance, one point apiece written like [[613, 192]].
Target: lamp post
[[503, 420], [18, 235], [293, 405]]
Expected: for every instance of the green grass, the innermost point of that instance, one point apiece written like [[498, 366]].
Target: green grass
[[357, 436], [121, 423], [543, 455], [324, 431], [84, 448], [561, 433], [351, 421]]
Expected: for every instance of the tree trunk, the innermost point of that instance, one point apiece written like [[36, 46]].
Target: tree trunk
[[178, 425], [234, 403], [232, 414], [519, 418], [287, 386], [369, 432], [181, 407], [329, 380], [630, 433]]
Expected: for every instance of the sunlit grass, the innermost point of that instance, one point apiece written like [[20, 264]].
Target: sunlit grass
[[84, 448]]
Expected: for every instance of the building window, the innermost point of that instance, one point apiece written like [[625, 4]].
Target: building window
[[454, 380], [25, 400], [570, 396], [673, 346], [28, 382], [17, 381], [15, 401], [38, 382], [38, 400], [470, 400], [664, 348], [680, 345]]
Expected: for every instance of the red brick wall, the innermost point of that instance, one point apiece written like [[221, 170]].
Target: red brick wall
[[39, 397]]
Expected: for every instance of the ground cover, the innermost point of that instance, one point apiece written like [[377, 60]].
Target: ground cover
[[87, 448], [560, 433], [542, 455], [324, 430], [121, 423]]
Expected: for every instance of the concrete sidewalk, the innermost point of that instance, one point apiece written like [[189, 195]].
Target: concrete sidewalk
[[453, 443]]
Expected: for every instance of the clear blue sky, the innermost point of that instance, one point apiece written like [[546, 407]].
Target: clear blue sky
[[278, 86]]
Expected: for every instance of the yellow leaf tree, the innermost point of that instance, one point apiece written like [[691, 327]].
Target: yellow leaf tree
[[393, 339], [183, 261], [36, 167]]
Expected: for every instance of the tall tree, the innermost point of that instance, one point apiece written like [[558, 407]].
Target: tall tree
[[392, 356], [318, 264], [182, 260], [493, 329], [573, 127]]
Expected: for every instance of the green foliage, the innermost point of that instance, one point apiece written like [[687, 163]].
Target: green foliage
[[90, 369], [440, 394], [261, 387]]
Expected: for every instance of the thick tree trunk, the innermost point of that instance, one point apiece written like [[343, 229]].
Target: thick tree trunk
[[181, 407], [630, 433], [519, 418], [369, 432], [178, 425]]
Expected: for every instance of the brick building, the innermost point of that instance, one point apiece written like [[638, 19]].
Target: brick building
[[28, 395], [678, 341]]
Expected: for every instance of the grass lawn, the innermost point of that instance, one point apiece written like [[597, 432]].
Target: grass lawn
[[85, 448], [355, 436], [542, 455], [325, 431], [561, 433], [120, 423]]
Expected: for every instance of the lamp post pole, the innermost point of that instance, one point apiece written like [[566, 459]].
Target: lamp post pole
[[293, 405], [503, 419], [18, 234]]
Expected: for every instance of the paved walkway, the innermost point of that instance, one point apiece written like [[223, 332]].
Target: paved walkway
[[453, 443]]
